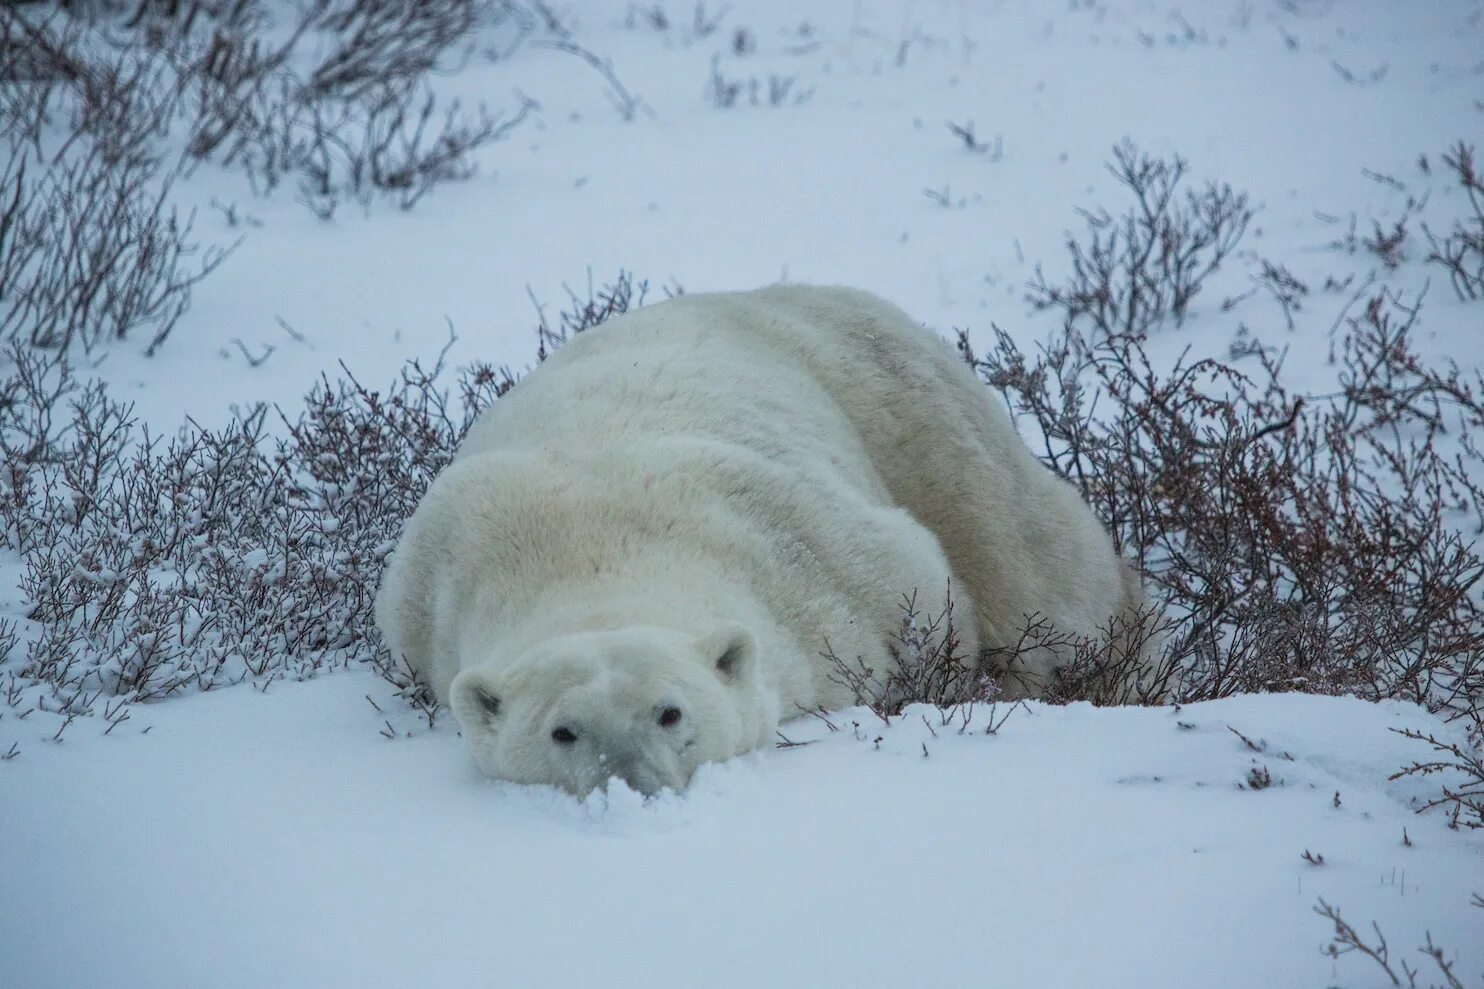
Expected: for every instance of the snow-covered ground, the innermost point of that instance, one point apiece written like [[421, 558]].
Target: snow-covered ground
[[278, 837], [258, 839]]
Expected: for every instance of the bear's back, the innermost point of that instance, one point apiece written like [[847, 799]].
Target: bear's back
[[741, 368], [805, 374]]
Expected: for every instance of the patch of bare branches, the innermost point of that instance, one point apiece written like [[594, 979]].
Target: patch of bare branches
[[703, 23], [1286, 289], [392, 146], [91, 250], [352, 110], [1299, 542], [1346, 940], [381, 43], [1126, 662], [103, 104], [1315, 542], [91, 247], [927, 666], [1462, 801], [623, 100], [585, 312], [157, 565], [725, 92], [971, 142], [1461, 250], [1388, 244], [1133, 271]]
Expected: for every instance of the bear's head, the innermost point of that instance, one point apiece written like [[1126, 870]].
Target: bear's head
[[645, 704]]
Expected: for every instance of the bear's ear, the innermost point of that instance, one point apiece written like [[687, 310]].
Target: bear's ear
[[732, 649], [474, 700]]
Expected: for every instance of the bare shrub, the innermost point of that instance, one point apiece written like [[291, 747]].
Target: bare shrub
[[238, 92], [91, 250], [1346, 940], [625, 102], [1286, 289], [261, 565], [1125, 662], [1299, 542], [585, 312], [1137, 269], [387, 43], [358, 118], [156, 565], [1388, 244], [1464, 804], [120, 99], [363, 119], [927, 666], [8, 639], [1461, 250], [965, 133], [772, 90], [92, 247], [393, 146]]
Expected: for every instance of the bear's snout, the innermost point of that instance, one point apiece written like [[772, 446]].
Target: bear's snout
[[647, 769], [633, 769]]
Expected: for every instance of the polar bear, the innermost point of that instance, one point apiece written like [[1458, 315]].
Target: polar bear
[[639, 556]]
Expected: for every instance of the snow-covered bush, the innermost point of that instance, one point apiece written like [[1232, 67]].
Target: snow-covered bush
[[155, 565]]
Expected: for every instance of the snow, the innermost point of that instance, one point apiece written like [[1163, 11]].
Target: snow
[[831, 190], [273, 837], [256, 838]]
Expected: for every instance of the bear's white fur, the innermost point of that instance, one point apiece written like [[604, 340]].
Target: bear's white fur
[[636, 560]]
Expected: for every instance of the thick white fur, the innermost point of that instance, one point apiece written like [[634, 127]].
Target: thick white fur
[[736, 477]]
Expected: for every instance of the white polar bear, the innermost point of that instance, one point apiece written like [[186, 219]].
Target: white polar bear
[[635, 562]]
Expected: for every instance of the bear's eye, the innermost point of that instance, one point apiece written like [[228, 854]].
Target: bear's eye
[[669, 716], [564, 736]]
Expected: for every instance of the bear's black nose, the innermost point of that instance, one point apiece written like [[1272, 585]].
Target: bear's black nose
[[669, 716], [564, 736]]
